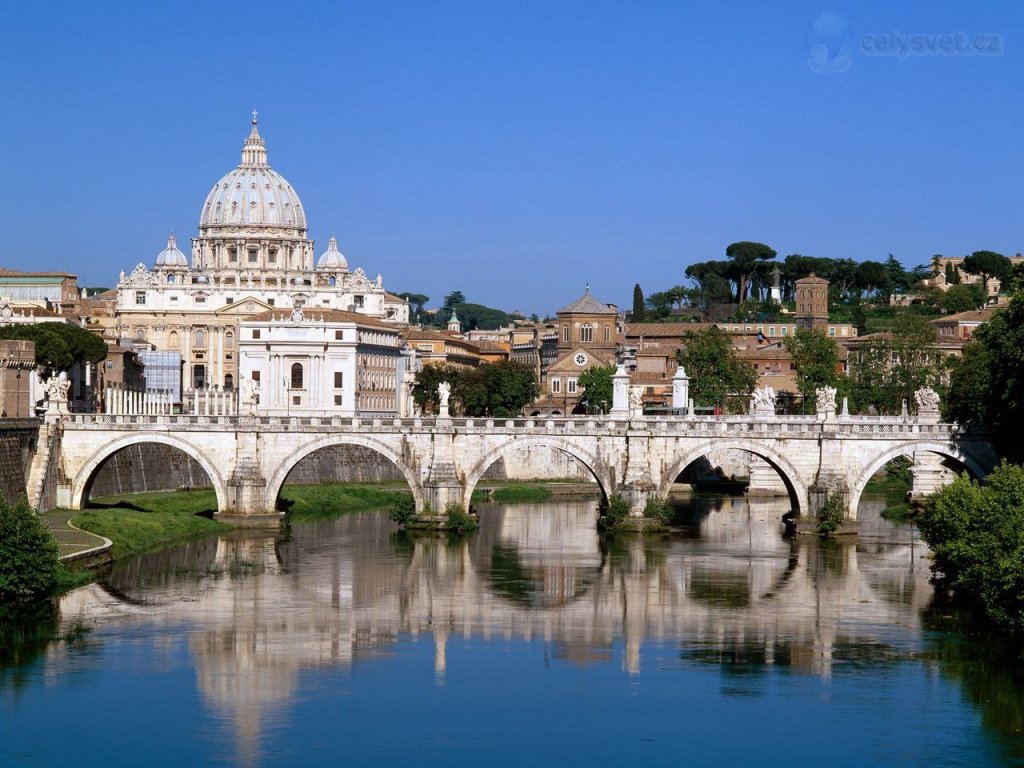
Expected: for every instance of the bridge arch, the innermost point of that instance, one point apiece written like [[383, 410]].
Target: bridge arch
[[977, 468], [277, 480], [593, 465], [83, 480], [795, 484]]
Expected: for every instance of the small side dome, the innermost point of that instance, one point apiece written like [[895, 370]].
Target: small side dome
[[332, 258], [170, 256]]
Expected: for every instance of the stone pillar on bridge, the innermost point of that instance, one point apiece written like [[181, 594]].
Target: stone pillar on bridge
[[681, 390], [763, 479], [620, 393], [929, 475], [246, 486], [442, 486]]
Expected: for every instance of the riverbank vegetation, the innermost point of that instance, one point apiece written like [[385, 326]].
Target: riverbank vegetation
[[310, 502], [976, 533], [894, 482]]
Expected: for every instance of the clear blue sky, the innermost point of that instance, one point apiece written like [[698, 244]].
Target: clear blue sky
[[513, 150]]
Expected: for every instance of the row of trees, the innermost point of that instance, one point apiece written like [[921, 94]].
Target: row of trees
[[471, 316], [58, 346], [499, 389]]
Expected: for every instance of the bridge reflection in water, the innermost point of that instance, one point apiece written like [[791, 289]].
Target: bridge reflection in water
[[258, 609]]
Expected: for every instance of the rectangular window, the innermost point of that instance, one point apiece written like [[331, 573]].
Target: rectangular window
[[232, 255], [785, 330], [256, 333], [339, 335], [140, 297], [297, 400], [337, 399], [174, 299], [570, 386], [272, 258], [565, 333], [556, 385], [200, 299], [256, 376], [831, 331], [229, 300], [358, 302], [339, 378], [771, 331], [270, 302], [253, 255]]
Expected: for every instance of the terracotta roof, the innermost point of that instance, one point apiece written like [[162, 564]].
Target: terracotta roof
[[812, 279], [970, 316], [5, 272], [320, 316], [587, 305], [663, 330], [392, 297]]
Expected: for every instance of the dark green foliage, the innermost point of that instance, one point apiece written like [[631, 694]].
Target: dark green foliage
[[816, 357], [403, 509], [746, 259], [457, 519], [976, 534], [494, 389], [885, 373], [962, 298], [613, 510], [596, 384], [58, 346], [832, 514], [660, 510], [987, 385], [416, 303], [28, 555], [987, 264], [638, 304], [716, 376]]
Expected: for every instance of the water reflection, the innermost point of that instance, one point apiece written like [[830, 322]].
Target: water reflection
[[253, 614]]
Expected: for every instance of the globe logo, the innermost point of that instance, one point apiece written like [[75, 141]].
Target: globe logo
[[829, 43]]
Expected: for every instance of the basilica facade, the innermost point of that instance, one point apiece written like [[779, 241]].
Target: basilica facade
[[252, 256]]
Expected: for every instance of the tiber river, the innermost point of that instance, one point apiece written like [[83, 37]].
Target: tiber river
[[533, 642]]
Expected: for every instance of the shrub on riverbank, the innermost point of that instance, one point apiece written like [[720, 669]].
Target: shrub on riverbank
[[457, 519], [977, 537], [306, 502], [28, 555]]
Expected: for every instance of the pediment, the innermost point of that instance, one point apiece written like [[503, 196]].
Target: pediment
[[245, 307], [567, 362]]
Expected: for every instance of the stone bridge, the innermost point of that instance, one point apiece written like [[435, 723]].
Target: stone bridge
[[248, 458]]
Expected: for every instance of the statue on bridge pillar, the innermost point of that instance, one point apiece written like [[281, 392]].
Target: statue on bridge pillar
[[762, 401], [444, 391], [825, 401], [927, 401], [249, 395], [57, 387]]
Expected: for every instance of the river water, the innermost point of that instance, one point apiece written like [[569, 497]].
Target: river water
[[532, 642]]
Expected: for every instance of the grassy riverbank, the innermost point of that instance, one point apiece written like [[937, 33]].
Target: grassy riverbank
[[311, 502], [140, 522], [514, 493]]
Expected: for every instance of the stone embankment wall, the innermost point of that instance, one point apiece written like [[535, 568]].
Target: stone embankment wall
[[15, 456], [156, 467]]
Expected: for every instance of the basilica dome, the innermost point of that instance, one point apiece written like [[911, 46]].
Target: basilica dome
[[171, 256], [253, 194], [332, 258]]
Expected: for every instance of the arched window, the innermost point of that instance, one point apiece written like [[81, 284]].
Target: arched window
[[296, 375], [586, 332], [140, 333], [331, 281], [200, 339], [198, 376], [172, 340], [607, 333], [229, 340], [565, 333], [229, 382]]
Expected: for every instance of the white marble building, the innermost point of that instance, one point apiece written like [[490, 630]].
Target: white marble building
[[252, 256]]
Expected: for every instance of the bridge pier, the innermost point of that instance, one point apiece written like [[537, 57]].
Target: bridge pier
[[929, 475], [246, 488]]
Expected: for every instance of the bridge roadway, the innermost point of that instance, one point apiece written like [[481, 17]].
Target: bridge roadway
[[248, 458]]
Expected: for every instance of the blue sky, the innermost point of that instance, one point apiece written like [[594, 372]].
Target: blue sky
[[512, 150]]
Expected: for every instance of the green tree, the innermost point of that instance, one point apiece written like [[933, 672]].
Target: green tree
[[745, 258], [885, 373], [499, 389], [424, 387], [28, 555], [988, 264], [416, 303], [454, 299], [638, 304], [974, 532], [58, 345], [962, 298], [596, 383], [816, 357], [717, 378], [987, 385], [874, 277]]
